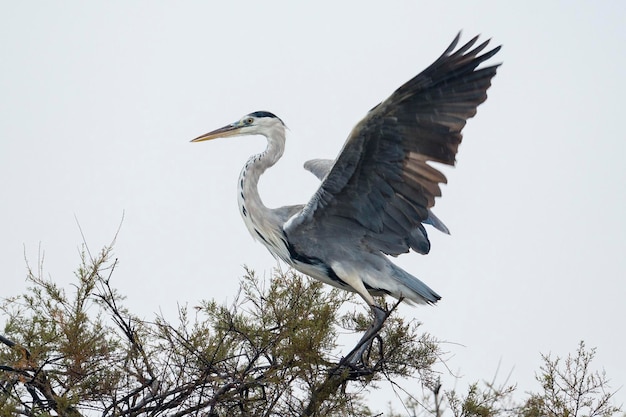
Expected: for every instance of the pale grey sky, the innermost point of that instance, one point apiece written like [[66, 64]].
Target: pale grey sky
[[99, 102]]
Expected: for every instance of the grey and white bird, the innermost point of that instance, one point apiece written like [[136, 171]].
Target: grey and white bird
[[377, 195]]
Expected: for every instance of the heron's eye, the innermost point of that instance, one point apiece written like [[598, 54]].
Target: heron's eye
[[249, 121]]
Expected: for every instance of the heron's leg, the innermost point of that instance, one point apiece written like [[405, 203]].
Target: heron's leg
[[380, 316]]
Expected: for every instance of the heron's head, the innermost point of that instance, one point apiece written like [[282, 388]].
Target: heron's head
[[257, 123]]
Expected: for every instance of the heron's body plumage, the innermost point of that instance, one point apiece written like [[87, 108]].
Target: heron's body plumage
[[375, 198]]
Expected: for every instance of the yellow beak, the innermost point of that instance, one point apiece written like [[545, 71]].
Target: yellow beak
[[222, 132]]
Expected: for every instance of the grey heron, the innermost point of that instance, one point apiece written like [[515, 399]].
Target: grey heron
[[377, 195]]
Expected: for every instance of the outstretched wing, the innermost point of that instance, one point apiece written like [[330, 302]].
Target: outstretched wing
[[381, 187]]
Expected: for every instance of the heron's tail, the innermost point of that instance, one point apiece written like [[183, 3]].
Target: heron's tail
[[412, 289]]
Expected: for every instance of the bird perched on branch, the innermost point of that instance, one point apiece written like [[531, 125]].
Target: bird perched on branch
[[377, 195]]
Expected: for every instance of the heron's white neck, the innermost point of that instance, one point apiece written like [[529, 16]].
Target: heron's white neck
[[257, 217]]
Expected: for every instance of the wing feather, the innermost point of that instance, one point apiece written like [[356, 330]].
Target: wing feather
[[380, 189]]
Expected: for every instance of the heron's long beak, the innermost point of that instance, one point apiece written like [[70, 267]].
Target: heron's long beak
[[222, 132]]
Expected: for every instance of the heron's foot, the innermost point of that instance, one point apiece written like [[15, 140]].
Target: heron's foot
[[358, 355]]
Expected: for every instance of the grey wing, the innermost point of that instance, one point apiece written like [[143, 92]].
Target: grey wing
[[381, 187], [321, 167]]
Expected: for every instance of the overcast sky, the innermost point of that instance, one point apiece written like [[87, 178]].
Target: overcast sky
[[98, 102]]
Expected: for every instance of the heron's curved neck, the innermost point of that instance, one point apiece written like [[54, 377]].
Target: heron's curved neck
[[250, 204]]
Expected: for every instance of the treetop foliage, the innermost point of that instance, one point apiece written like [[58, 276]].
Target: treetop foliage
[[273, 351]]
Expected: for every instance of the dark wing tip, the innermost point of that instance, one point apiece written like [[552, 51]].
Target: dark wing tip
[[453, 45]]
